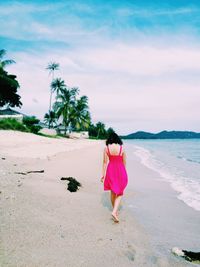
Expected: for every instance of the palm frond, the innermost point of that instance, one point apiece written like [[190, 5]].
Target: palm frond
[[2, 53], [52, 66], [7, 62]]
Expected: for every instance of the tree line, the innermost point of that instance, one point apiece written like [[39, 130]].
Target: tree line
[[68, 110]]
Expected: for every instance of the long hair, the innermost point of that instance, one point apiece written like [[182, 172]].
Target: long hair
[[113, 138]]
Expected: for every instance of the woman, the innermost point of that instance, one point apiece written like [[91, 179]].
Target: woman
[[114, 174]]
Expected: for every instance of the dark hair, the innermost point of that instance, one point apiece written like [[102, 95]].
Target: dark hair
[[113, 138]]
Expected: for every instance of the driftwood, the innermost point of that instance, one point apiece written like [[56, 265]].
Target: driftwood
[[192, 256], [25, 173], [187, 255], [73, 184]]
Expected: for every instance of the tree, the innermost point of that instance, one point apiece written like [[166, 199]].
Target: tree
[[57, 85], [101, 131], [64, 105], [80, 116], [92, 130], [4, 63], [50, 118], [8, 84], [52, 67]]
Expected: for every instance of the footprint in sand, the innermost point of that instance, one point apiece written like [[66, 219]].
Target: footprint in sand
[[130, 253]]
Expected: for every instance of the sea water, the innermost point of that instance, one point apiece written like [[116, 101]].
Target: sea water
[[177, 161]]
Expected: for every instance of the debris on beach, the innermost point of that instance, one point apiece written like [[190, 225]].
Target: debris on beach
[[19, 183], [25, 173], [22, 173], [73, 184], [187, 255], [3, 158]]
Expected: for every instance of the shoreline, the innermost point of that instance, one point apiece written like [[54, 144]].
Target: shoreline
[[169, 221], [43, 224]]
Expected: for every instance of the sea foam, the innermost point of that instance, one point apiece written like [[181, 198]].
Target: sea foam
[[188, 189]]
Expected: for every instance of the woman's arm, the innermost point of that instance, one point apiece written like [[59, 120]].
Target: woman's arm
[[105, 162], [124, 158]]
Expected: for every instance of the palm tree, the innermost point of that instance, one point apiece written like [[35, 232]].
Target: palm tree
[[80, 116], [4, 63], [64, 105], [57, 85], [52, 67], [100, 129], [50, 118]]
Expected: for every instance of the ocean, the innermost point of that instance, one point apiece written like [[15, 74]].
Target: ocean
[[177, 161]]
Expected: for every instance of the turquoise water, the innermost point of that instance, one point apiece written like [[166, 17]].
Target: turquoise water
[[177, 161]]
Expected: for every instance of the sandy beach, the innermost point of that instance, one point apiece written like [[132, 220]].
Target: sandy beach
[[43, 224]]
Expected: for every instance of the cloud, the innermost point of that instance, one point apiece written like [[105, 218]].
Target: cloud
[[127, 84], [87, 23], [139, 66], [13, 7], [141, 59], [154, 12]]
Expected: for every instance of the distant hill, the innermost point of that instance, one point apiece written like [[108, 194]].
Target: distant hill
[[162, 135]]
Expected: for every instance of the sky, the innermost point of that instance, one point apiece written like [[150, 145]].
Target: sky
[[137, 61]]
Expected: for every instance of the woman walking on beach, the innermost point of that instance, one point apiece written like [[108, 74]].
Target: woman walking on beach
[[114, 175]]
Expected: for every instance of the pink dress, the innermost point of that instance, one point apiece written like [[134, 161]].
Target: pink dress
[[116, 178]]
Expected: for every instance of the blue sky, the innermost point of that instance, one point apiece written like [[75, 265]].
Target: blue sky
[[137, 61]]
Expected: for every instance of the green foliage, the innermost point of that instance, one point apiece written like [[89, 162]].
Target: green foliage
[[57, 85], [51, 119], [30, 120], [73, 111], [32, 124], [52, 67], [80, 115], [8, 84], [109, 131], [12, 124], [63, 106], [8, 90], [92, 131], [99, 131], [6, 62]]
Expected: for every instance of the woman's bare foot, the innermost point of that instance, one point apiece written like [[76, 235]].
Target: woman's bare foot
[[115, 217]]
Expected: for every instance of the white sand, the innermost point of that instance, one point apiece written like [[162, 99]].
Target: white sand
[[15, 143], [44, 225]]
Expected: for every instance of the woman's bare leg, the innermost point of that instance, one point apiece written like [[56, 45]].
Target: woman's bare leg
[[112, 197], [116, 206]]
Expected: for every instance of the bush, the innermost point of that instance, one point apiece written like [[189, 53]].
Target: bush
[[12, 124], [32, 124], [29, 125]]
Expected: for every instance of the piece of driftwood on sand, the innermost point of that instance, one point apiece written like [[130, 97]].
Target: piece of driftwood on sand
[[73, 184], [187, 255], [25, 173]]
